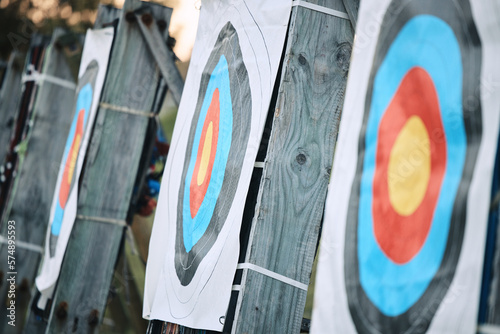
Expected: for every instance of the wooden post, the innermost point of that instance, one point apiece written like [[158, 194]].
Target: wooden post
[[352, 7], [132, 92], [106, 14], [10, 96], [290, 203], [30, 200], [34, 60], [290, 198], [164, 57]]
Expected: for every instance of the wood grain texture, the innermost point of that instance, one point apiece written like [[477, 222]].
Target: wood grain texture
[[34, 59], [106, 14], [352, 7], [163, 55], [109, 175], [10, 96], [292, 193], [31, 196]]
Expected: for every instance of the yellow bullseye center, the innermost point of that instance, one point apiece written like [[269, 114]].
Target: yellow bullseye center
[[74, 155], [409, 167], [205, 155]]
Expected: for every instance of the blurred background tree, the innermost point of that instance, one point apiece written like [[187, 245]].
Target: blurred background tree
[[21, 18]]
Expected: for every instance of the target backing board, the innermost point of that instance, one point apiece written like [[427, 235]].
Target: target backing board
[[194, 245], [405, 220], [91, 76]]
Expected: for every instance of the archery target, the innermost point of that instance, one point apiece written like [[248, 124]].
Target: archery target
[[91, 75], [72, 149], [215, 152], [194, 242], [417, 151]]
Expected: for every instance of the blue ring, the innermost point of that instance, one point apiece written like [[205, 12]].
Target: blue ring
[[84, 101], [194, 228]]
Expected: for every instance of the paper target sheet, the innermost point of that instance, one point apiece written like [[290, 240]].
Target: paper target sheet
[[405, 223], [194, 244], [91, 77]]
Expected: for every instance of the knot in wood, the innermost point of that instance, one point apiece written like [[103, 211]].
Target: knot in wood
[[25, 285], [93, 318], [171, 42], [75, 325], [301, 159], [62, 310], [343, 56], [302, 60], [162, 25], [147, 19], [130, 17]]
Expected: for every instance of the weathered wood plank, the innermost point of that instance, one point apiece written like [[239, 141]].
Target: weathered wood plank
[[10, 96], [110, 172], [29, 204], [352, 7], [162, 55], [293, 188], [106, 14], [33, 60]]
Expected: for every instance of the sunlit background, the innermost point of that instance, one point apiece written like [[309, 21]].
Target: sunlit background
[[20, 18]]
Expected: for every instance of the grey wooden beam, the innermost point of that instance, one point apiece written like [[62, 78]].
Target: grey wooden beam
[[290, 203], [113, 160], [165, 58], [352, 7], [106, 14], [34, 59], [31, 196], [10, 96]]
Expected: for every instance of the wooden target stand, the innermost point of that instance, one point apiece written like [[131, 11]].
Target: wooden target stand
[[117, 158], [283, 211], [270, 286], [289, 205]]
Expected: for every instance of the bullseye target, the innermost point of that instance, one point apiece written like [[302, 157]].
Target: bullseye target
[[72, 149], [215, 152], [417, 151]]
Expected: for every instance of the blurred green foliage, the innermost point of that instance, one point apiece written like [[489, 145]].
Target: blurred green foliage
[[17, 20]]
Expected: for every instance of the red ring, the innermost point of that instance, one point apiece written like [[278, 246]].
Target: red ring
[[197, 193], [402, 237]]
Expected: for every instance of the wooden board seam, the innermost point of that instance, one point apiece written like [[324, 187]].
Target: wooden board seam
[[119, 222], [273, 275], [320, 9]]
